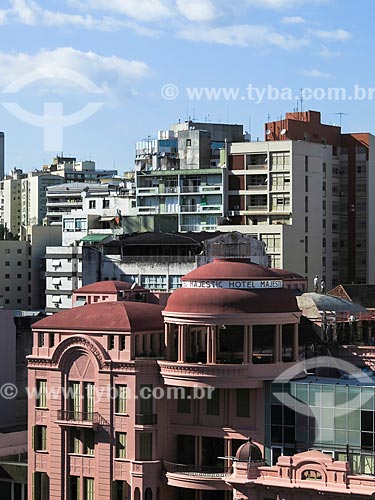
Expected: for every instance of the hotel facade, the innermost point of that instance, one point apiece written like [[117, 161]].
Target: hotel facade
[[136, 402]]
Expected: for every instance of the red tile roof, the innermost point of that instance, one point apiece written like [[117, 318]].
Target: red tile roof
[[124, 316], [109, 286], [230, 269]]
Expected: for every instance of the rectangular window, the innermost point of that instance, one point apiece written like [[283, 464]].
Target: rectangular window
[[41, 339], [88, 442], [105, 203], [111, 342], [68, 225], [243, 403], [121, 490], [145, 446], [75, 442], [213, 403], [88, 400], [146, 400], [41, 486], [89, 492], [80, 225], [74, 488], [75, 399], [51, 340], [121, 399], [183, 401], [122, 342], [121, 443], [40, 438], [41, 396], [92, 204]]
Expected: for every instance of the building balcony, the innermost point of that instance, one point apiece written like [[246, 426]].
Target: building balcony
[[141, 191], [202, 189], [149, 210], [200, 208], [262, 166], [257, 208], [146, 419], [89, 420], [197, 228], [197, 477], [226, 376]]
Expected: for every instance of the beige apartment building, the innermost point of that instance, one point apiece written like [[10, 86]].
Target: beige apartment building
[[286, 193]]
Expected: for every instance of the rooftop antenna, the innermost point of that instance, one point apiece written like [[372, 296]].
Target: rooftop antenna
[[301, 100], [268, 118], [341, 114], [193, 114]]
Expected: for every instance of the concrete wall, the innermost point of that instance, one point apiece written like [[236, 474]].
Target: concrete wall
[[8, 366]]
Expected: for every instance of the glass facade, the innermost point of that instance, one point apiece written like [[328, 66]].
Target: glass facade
[[330, 415]]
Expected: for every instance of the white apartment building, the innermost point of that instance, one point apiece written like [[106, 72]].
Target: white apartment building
[[286, 193], [77, 171], [23, 198], [63, 276]]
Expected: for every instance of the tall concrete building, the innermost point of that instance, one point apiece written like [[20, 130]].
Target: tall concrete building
[[352, 191], [181, 174], [286, 194], [2, 155]]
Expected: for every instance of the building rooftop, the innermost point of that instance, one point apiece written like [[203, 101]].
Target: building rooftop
[[109, 286], [166, 238], [229, 269], [124, 316], [361, 294]]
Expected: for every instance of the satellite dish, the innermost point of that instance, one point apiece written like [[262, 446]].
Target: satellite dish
[[268, 132], [283, 132]]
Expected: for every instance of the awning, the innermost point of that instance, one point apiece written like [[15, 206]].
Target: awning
[[95, 238], [56, 281], [56, 263], [56, 299], [16, 472], [107, 219]]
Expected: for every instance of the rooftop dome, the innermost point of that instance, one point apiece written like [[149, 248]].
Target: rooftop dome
[[231, 287], [229, 269], [124, 316], [249, 452]]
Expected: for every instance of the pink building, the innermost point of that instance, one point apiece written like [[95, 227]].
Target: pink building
[[156, 402]]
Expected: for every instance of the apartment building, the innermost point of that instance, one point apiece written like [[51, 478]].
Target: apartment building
[[22, 264], [77, 171], [355, 187], [286, 194], [2, 155], [63, 275], [23, 198], [181, 174]]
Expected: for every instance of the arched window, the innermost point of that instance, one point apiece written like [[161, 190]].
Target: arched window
[[137, 494], [148, 494]]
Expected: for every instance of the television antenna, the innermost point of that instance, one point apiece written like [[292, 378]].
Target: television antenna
[[341, 114]]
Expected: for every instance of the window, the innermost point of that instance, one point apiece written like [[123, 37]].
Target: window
[[92, 204], [7, 276], [75, 443], [19, 276], [188, 143], [7, 263], [121, 490], [19, 250], [183, 401], [272, 242], [243, 403], [40, 339], [174, 282], [145, 446], [74, 488], [40, 438], [154, 282], [89, 493], [7, 250], [280, 161], [51, 337], [41, 395], [213, 403], [105, 203], [111, 342], [81, 225], [121, 442], [122, 342], [88, 442], [88, 400], [121, 406], [41, 486], [68, 225], [19, 289]]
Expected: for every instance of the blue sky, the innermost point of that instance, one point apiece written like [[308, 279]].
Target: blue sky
[[122, 53]]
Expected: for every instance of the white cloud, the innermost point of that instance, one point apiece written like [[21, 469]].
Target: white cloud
[[243, 35], [293, 20], [315, 73], [3, 16], [105, 72], [140, 10], [197, 10], [281, 4], [339, 35], [325, 52]]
